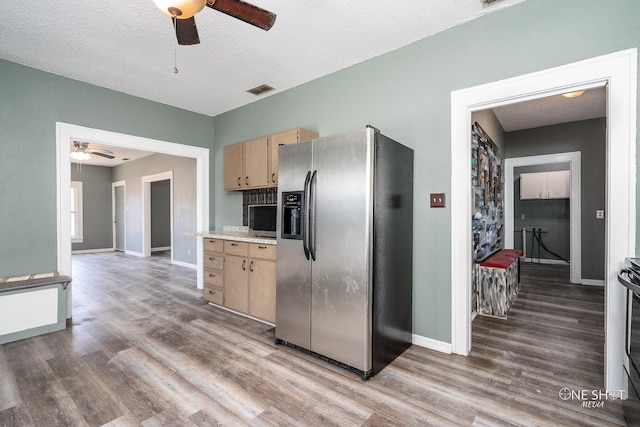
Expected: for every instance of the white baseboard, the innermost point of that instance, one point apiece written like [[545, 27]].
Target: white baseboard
[[184, 264], [544, 261], [592, 282], [140, 254], [443, 347], [92, 251], [162, 248]]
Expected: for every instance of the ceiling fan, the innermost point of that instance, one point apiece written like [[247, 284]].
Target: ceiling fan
[[82, 151], [182, 14]]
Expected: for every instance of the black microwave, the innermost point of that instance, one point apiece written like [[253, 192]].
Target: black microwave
[[262, 220]]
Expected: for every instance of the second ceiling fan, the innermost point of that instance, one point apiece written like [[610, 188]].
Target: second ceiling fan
[[182, 13]]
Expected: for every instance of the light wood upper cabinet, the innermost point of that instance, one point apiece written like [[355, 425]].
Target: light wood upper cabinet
[[254, 163], [233, 169], [286, 137], [246, 164], [256, 158]]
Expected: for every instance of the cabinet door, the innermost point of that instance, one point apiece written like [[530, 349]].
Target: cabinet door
[[256, 163], [236, 283], [262, 289], [275, 141], [558, 185], [233, 173], [532, 186], [286, 137]]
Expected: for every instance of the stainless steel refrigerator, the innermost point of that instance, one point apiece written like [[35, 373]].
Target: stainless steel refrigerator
[[345, 245]]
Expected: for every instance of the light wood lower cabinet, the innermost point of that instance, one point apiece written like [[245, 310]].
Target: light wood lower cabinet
[[213, 270], [236, 283], [246, 281]]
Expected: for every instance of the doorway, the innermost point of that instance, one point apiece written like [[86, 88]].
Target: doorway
[[65, 132], [619, 72], [575, 240], [156, 215], [118, 195]]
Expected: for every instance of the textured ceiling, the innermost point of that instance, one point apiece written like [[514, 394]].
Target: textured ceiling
[[129, 46]]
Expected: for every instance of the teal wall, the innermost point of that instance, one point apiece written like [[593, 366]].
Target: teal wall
[[31, 102], [407, 94]]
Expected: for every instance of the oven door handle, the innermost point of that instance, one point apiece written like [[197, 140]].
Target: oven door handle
[[623, 278]]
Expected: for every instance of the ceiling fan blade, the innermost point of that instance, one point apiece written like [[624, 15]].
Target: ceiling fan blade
[[106, 156], [246, 12], [186, 31]]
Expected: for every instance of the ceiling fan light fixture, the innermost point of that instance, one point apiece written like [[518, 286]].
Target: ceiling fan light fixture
[[181, 9], [80, 155]]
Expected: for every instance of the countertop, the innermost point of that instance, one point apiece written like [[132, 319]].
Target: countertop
[[239, 233]]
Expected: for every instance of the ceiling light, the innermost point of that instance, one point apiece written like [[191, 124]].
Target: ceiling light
[[181, 9], [573, 94], [80, 155]]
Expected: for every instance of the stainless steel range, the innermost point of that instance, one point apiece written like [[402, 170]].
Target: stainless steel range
[[630, 278]]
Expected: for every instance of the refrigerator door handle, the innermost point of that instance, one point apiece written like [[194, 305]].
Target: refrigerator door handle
[[305, 215], [311, 214]]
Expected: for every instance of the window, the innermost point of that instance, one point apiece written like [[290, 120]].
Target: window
[[76, 212]]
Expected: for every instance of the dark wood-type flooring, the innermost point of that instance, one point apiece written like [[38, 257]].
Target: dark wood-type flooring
[[145, 349]]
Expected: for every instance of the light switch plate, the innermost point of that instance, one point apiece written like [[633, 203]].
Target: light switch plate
[[438, 200], [600, 214]]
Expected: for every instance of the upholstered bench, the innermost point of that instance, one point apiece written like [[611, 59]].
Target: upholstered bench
[[498, 279], [32, 305]]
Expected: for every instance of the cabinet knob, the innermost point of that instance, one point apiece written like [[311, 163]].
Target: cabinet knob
[[244, 263], [239, 181], [234, 244], [273, 178], [212, 292], [212, 275], [246, 180], [251, 266], [262, 247], [212, 259]]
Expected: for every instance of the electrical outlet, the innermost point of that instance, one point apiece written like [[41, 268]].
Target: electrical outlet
[[600, 214], [437, 200], [523, 216]]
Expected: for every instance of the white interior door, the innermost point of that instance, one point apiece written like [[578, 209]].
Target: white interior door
[[119, 216]]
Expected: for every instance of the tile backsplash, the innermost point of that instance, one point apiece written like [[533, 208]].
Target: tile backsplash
[[262, 196]]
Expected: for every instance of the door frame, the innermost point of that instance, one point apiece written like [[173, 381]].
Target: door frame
[[146, 209], [65, 132], [575, 211], [617, 70], [122, 184]]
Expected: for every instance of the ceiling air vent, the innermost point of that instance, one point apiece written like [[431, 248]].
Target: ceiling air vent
[[259, 90]]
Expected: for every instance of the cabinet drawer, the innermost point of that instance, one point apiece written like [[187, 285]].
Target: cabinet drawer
[[213, 245], [213, 278], [214, 261], [260, 250], [235, 248], [214, 295]]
